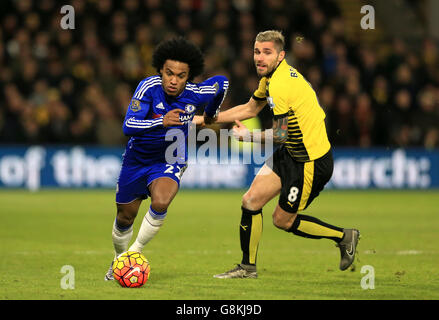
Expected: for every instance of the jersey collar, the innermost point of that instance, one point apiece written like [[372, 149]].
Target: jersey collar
[[268, 76]]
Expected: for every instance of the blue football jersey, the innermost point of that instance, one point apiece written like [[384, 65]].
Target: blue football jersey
[[144, 117]]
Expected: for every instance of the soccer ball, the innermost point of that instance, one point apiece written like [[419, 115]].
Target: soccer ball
[[131, 269]]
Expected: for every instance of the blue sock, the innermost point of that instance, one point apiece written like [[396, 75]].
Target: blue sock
[[121, 228], [157, 215]]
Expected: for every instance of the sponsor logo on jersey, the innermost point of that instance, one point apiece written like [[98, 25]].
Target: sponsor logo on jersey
[[186, 117]]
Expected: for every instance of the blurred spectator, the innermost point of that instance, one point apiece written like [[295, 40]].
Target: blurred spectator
[[426, 119], [73, 86], [343, 127], [365, 120]]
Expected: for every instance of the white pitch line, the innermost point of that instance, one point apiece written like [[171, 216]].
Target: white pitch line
[[408, 252]]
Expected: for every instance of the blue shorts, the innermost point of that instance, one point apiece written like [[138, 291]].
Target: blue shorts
[[135, 177]]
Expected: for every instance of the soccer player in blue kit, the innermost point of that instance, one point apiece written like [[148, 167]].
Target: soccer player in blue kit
[[161, 103]]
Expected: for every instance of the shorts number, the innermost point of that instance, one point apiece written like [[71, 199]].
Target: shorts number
[[179, 173], [170, 170], [293, 194]]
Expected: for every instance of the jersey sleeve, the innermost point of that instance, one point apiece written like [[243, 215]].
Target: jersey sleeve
[[213, 91], [259, 94], [278, 100], [135, 122]]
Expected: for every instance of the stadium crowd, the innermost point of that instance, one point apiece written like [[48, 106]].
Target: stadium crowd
[[73, 86]]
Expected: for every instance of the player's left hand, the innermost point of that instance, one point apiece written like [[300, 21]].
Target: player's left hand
[[240, 132]]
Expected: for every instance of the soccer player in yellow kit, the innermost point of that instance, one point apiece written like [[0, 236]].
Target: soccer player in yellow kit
[[298, 170]]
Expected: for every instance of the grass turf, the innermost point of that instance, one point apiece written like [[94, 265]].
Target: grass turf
[[43, 231]]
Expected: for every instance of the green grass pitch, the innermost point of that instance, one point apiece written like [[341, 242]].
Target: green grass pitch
[[43, 231]]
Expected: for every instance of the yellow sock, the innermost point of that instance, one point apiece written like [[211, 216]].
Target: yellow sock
[[310, 227]]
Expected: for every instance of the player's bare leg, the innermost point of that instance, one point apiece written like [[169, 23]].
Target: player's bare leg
[[127, 212], [123, 229], [163, 191], [123, 225], [264, 187]]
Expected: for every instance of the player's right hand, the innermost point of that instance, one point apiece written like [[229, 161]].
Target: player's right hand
[[198, 120], [172, 118], [240, 132]]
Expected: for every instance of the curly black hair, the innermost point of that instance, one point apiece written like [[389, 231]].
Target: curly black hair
[[179, 49]]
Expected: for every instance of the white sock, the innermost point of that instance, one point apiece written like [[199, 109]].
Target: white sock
[[121, 238], [150, 226]]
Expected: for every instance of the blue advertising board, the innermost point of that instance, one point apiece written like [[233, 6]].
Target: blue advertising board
[[36, 167]]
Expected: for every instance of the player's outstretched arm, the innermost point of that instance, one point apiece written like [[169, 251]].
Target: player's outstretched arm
[[204, 120], [241, 112], [277, 134]]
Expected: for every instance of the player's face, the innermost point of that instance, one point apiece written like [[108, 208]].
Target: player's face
[[174, 77], [266, 57]]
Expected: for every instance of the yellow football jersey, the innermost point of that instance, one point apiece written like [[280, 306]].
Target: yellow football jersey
[[289, 93]]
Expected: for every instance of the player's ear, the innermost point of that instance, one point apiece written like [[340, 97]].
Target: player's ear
[[281, 55]]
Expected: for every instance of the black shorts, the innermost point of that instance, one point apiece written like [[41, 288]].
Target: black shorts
[[301, 181]]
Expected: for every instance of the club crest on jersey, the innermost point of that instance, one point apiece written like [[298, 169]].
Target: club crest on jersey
[[135, 105], [189, 108]]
